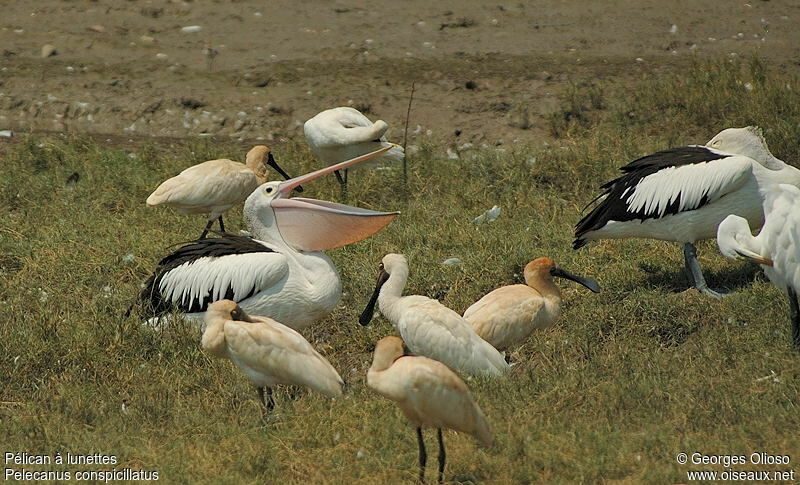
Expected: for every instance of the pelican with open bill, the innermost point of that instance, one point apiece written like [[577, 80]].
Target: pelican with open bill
[[280, 272]]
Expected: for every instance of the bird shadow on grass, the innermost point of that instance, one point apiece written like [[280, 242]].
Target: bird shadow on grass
[[671, 280]]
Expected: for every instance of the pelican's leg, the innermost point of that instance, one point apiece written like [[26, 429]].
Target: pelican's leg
[[442, 455], [208, 228], [221, 225], [696, 273], [795, 317], [422, 456]]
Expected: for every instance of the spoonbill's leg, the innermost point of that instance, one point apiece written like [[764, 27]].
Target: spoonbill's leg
[[342, 182], [442, 455], [423, 457], [208, 228], [267, 404]]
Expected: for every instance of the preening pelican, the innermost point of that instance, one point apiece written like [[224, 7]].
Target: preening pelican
[[268, 352], [280, 272], [776, 248], [215, 186], [505, 317], [682, 194], [429, 394], [428, 327], [339, 134]]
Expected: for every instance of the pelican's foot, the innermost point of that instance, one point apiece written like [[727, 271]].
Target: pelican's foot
[[705, 290]]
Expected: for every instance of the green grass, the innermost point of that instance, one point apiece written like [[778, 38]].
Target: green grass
[[626, 379]]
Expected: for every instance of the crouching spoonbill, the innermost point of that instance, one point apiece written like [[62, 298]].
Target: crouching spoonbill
[[281, 271], [428, 327], [776, 248], [429, 394], [506, 316], [338, 134], [682, 194], [268, 352], [215, 186]]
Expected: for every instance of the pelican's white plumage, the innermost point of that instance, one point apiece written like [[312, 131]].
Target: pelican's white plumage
[[428, 393], [777, 246], [215, 186], [683, 194], [339, 134], [506, 316], [428, 327], [268, 352], [281, 271]]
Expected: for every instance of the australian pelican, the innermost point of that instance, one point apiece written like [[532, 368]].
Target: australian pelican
[[280, 272], [682, 194]]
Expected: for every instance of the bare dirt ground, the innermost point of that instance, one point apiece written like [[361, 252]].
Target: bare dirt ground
[[493, 70]]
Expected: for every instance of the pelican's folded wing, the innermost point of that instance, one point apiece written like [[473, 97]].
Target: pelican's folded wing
[[664, 183], [207, 270]]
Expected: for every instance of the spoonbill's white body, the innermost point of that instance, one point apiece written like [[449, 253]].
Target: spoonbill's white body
[[777, 246], [339, 134], [683, 194], [506, 317], [281, 272], [215, 186], [429, 394], [268, 352], [429, 328]]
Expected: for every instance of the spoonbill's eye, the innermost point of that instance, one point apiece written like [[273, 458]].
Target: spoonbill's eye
[[380, 265]]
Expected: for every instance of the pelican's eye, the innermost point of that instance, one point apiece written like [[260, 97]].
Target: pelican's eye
[[269, 190]]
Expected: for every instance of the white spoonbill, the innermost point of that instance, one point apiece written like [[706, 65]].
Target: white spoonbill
[[506, 316], [268, 352], [215, 186], [428, 327], [776, 248], [280, 272], [682, 194], [429, 394], [338, 134]]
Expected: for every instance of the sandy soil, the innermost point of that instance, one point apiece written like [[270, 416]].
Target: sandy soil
[[492, 70]]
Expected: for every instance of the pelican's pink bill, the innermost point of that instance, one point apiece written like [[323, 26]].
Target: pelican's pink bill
[[316, 225], [287, 186]]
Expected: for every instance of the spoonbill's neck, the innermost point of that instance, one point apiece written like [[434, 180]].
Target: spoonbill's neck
[[382, 361], [544, 285], [392, 290], [213, 340]]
